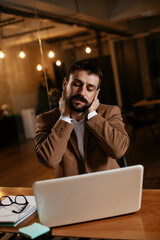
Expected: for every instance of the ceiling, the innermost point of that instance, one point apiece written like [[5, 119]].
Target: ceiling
[[60, 19]]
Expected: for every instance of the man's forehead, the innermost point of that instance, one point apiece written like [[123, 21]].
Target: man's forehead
[[82, 72], [84, 75]]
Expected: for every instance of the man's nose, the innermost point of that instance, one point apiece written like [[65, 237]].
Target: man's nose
[[82, 90]]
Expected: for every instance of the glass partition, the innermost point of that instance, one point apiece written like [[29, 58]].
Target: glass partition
[[35, 55]]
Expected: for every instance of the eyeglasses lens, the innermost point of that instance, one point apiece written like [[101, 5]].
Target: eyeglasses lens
[[21, 200], [6, 201]]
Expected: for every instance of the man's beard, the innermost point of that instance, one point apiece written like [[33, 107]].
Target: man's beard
[[77, 109]]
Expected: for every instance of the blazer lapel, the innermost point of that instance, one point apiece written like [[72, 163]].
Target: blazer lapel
[[86, 135], [74, 143]]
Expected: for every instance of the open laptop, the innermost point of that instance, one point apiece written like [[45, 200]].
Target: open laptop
[[89, 197]]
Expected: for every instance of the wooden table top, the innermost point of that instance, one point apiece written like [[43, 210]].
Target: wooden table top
[[145, 224], [145, 102]]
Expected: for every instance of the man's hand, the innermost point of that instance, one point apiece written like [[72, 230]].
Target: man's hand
[[95, 104], [63, 107]]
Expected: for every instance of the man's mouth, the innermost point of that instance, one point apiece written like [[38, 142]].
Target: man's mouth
[[78, 103], [79, 99]]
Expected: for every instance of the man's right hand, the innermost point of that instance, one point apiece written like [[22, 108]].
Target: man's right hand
[[63, 107]]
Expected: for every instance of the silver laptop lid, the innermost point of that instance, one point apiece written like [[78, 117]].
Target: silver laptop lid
[[89, 196]]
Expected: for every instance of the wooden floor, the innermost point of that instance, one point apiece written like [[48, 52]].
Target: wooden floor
[[19, 166], [145, 149]]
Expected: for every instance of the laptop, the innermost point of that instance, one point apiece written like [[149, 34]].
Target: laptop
[[87, 197]]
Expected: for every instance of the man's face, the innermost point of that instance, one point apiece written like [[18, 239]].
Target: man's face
[[80, 90]]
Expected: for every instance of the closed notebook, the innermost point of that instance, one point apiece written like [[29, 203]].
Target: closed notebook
[[7, 217]]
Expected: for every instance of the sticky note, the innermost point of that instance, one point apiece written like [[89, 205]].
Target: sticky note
[[34, 230]]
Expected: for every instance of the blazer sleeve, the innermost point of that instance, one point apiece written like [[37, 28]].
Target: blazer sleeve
[[51, 141], [109, 132]]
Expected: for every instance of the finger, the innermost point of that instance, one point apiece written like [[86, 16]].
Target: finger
[[97, 105], [96, 96], [60, 101], [63, 94]]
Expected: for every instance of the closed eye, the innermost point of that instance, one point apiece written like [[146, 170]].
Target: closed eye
[[90, 89], [76, 84]]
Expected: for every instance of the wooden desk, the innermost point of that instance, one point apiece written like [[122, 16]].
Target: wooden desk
[[144, 224], [145, 102]]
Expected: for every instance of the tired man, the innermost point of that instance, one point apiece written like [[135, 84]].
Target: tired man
[[82, 135]]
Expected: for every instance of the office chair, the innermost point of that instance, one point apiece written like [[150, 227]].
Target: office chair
[[122, 162]]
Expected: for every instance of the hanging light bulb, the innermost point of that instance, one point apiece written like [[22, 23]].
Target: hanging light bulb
[[58, 63], [2, 54], [88, 50], [51, 54], [21, 54], [39, 67]]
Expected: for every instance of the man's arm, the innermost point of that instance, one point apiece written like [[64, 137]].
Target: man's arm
[[51, 141], [52, 136], [109, 131]]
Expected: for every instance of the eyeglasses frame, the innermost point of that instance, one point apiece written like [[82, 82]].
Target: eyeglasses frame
[[12, 202]]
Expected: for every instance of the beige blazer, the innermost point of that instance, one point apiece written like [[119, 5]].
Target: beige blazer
[[105, 140]]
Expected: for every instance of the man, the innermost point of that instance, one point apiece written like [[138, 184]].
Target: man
[[82, 135]]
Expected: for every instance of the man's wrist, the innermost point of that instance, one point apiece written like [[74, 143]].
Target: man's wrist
[[91, 114], [66, 119]]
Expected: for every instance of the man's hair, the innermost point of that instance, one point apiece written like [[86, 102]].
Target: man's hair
[[88, 66]]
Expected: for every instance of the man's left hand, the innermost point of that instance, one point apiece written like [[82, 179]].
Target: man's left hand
[[94, 106]]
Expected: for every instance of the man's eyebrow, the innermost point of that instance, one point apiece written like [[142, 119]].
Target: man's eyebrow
[[78, 80]]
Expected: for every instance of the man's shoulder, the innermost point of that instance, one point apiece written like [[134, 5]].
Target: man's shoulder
[[104, 108], [49, 115]]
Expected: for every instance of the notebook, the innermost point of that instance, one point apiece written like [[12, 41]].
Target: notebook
[[89, 197], [8, 218]]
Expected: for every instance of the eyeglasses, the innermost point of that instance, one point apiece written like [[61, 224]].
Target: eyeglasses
[[19, 200]]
